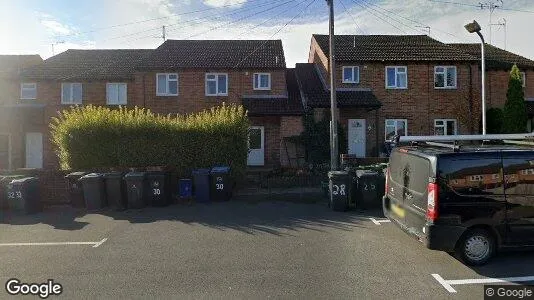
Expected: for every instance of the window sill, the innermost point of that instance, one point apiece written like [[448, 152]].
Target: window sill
[[218, 95], [396, 88], [167, 95], [446, 88], [262, 89], [351, 82], [116, 104], [28, 98]]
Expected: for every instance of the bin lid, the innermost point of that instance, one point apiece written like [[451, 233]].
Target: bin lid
[[364, 173], [24, 180], [113, 175], [75, 174], [92, 176], [337, 173], [201, 172], [135, 175], [220, 170], [185, 180], [8, 178]]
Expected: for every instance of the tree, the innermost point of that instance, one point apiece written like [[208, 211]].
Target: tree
[[515, 113], [494, 118]]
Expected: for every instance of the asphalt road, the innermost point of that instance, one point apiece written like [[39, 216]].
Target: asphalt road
[[234, 250]]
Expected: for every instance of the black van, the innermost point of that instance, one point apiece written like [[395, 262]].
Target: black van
[[473, 201]]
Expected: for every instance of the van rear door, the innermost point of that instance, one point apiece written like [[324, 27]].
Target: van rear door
[[408, 184]]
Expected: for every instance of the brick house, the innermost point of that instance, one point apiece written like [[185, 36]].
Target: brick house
[[15, 117], [179, 77], [409, 84], [499, 62]]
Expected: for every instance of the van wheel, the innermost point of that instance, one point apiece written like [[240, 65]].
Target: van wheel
[[477, 247]]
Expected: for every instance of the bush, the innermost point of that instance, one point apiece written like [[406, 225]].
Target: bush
[[92, 137]]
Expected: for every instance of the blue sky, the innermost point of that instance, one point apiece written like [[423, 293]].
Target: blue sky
[[32, 26]]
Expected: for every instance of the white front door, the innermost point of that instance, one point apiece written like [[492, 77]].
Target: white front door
[[256, 146], [356, 137], [34, 150]]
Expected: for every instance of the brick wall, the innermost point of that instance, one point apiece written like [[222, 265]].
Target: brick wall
[[192, 96], [289, 152], [497, 86]]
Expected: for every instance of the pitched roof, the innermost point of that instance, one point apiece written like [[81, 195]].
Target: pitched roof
[[10, 65], [290, 105], [224, 54], [391, 48], [317, 95], [496, 57], [89, 64]]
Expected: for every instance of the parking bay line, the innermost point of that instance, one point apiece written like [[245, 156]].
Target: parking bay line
[[378, 222], [94, 244], [447, 284]]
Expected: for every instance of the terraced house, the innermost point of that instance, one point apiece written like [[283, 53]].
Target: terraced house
[[409, 84], [179, 77]]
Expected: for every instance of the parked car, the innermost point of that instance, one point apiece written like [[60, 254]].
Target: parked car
[[472, 201]]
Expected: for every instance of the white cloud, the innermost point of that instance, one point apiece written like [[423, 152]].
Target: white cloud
[[226, 3], [56, 27]]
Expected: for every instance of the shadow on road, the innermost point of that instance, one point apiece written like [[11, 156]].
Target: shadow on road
[[273, 217], [509, 264]]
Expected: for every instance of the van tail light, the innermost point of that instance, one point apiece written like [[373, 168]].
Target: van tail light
[[387, 181], [432, 203]]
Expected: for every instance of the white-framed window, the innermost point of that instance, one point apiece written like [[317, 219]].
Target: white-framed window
[[445, 77], [28, 90], [116, 93], [216, 84], [523, 79], [351, 74], [396, 77], [495, 176], [71, 93], [396, 127], [262, 81], [527, 172], [445, 127], [167, 84], [476, 177]]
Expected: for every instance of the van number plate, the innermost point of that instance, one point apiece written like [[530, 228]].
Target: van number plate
[[398, 210]]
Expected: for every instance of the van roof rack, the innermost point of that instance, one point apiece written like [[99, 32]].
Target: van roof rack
[[473, 137]]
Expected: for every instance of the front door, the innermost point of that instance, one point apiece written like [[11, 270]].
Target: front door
[[356, 137], [34, 150], [4, 152], [256, 146]]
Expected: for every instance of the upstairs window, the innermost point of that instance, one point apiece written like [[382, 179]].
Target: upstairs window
[[216, 84], [167, 84], [71, 93], [396, 77], [351, 74], [445, 77], [262, 81], [28, 91], [116, 93]]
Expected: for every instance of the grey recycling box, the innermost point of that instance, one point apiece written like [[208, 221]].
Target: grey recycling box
[[23, 195], [94, 191], [116, 190], [340, 183]]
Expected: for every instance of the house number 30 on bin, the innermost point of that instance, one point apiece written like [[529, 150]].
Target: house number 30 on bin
[[338, 189], [13, 195], [156, 191], [219, 186]]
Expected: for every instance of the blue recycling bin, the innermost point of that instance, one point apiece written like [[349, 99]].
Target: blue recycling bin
[[185, 187], [201, 185]]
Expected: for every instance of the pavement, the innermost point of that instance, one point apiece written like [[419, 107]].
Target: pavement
[[236, 250]]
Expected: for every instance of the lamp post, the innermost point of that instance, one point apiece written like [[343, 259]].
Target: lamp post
[[333, 102], [474, 27]]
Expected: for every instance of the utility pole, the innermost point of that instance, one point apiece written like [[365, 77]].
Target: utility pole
[[502, 24], [333, 102], [56, 43], [491, 5]]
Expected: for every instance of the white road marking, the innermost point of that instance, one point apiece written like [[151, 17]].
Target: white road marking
[[100, 243], [377, 222], [444, 283], [447, 284], [94, 244]]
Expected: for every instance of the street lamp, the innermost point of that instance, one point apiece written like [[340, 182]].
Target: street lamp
[[475, 28]]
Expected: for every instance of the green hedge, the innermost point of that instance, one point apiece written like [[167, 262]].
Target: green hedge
[[93, 137]]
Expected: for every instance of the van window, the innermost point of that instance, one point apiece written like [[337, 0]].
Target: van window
[[410, 171], [519, 173], [474, 175]]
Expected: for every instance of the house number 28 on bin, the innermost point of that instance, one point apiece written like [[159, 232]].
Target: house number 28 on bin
[[13, 195], [338, 189]]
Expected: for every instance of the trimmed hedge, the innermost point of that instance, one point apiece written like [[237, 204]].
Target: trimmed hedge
[[93, 137]]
